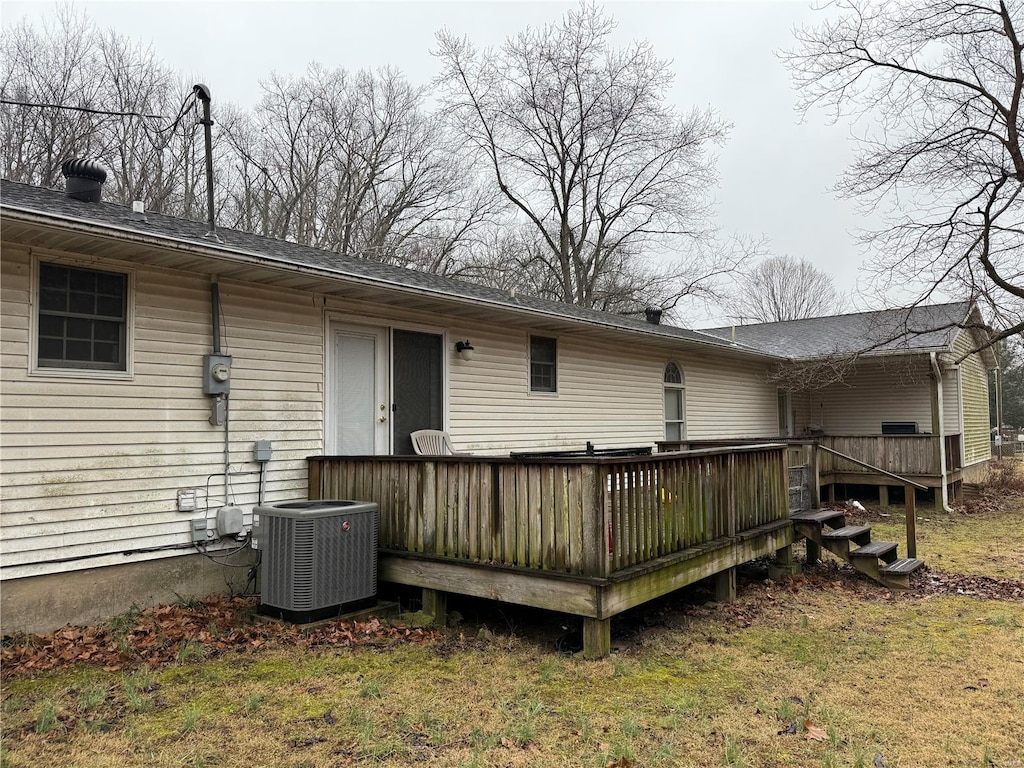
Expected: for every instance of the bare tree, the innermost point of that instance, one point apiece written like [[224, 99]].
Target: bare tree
[[53, 67], [74, 90], [353, 164], [783, 288], [580, 141], [943, 161]]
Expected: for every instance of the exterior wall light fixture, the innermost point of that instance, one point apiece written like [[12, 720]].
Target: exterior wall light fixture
[[465, 350]]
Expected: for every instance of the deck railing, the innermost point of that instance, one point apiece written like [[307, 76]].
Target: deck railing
[[915, 455], [900, 454], [580, 515]]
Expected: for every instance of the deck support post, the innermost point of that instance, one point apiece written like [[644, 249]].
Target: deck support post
[[597, 638], [725, 586], [783, 564], [910, 502], [435, 603], [883, 495], [831, 493], [813, 552]]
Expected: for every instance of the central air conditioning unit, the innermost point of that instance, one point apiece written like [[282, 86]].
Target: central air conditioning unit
[[319, 558]]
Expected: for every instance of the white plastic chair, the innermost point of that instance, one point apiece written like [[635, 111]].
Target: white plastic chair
[[433, 442]]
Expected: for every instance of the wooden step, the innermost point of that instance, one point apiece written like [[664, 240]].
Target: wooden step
[[897, 574], [820, 516], [905, 565], [841, 540], [858, 533], [881, 550]]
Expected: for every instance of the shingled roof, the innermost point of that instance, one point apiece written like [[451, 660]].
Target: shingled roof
[[111, 218], [914, 329]]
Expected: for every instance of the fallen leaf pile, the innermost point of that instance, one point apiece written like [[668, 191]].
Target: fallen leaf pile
[[927, 582], [170, 633], [985, 587]]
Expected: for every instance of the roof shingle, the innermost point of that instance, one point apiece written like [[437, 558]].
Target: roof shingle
[[913, 329]]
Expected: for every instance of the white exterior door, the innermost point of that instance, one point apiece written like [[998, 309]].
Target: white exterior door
[[358, 408]]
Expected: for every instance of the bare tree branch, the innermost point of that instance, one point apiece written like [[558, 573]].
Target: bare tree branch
[[941, 82], [579, 140]]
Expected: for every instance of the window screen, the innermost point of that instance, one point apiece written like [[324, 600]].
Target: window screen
[[542, 365], [83, 318]]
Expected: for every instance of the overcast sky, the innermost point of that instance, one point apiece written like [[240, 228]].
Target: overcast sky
[[775, 168]]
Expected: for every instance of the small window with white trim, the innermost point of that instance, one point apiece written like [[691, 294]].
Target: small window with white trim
[[675, 403], [543, 370], [82, 320]]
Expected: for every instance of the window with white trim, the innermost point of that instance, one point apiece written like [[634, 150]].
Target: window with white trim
[[543, 370], [82, 320], [675, 403]]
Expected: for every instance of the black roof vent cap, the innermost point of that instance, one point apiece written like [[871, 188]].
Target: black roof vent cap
[[84, 179], [653, 315]]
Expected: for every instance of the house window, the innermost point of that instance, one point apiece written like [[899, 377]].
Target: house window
[[542, 365], [83, 319], [675, 403], [785, 422]]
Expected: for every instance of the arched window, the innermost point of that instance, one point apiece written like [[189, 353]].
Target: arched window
[[675, 403]]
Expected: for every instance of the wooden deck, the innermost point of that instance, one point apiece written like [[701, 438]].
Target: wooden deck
[[590, 536]]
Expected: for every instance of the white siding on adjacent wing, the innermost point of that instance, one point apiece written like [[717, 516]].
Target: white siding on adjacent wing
[[951, 402], [889, 390], [93, 467], [974, 393]]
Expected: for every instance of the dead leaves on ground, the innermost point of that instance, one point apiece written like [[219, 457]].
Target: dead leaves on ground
[[814, 732], [831, 576], [168, 633]]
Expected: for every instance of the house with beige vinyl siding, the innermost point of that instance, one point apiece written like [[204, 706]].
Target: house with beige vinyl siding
[[144, 362], [158, 378]]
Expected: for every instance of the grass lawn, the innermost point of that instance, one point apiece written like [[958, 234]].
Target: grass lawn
[[824, 670]]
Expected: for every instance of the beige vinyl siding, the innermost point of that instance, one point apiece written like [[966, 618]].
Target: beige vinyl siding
[[93, 466], [610, 395], [891, 390], [606, 394], [974, 393], [729, 399]]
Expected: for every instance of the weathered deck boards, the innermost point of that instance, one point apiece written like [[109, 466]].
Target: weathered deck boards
[[591, 536]]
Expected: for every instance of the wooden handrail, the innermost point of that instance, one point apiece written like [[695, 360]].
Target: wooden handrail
[[909, 503], [903, 480]]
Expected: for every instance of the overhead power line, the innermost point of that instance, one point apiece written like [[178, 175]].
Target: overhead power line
[[79, 109]]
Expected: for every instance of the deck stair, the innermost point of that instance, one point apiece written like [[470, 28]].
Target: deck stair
[[878, 559]]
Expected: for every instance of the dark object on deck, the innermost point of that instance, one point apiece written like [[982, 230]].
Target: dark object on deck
[[899, 428], [590, 450]]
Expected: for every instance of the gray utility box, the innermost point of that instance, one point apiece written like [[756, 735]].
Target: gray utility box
[[319, 558]]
